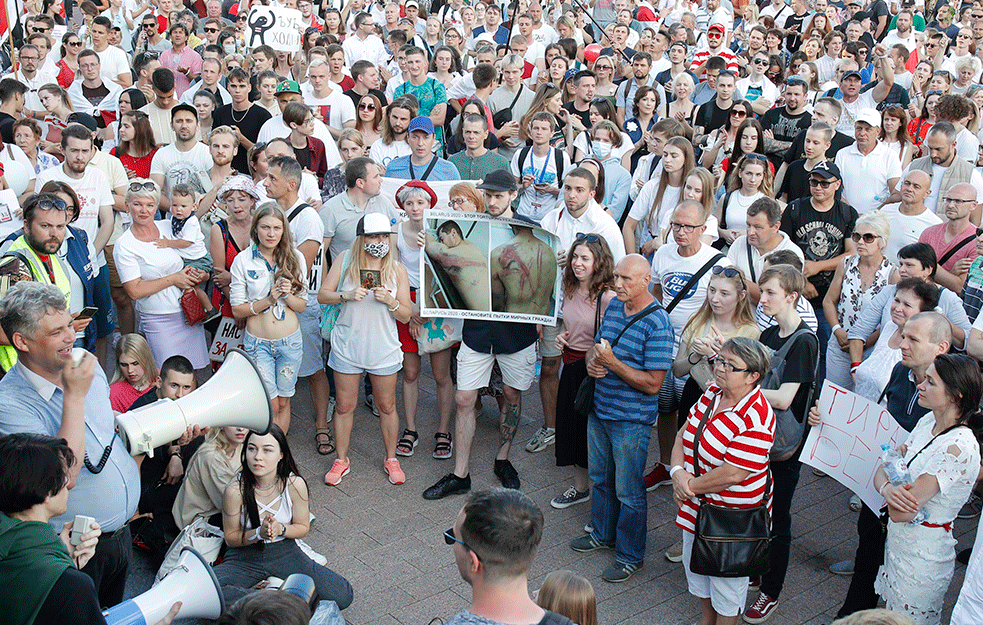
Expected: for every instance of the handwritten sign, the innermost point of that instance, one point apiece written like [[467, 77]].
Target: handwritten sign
[[227, 336], [847, 444], [275, 27]]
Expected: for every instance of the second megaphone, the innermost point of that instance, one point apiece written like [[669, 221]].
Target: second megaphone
[[235, 396]]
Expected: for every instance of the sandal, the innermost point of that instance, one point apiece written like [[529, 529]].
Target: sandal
[[405, 446], [442, 449], [324, 447]]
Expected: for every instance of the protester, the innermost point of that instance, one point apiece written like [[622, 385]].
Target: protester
[[134, 374]]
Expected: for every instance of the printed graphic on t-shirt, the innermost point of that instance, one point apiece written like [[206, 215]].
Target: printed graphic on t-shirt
[[673, 282]]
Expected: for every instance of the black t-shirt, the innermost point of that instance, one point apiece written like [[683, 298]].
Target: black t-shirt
[[356, 98], [795, 185], [584, 115], [248, 122], [71, 601], [711, 116], [7, 127], [793, 39], [800, 366], [797, 149], [95, 95], [303, 156], [820, 235], [896, 95], [784, 127], [876, 10]]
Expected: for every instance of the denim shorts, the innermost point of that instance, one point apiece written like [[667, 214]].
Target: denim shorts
[[278, 361]]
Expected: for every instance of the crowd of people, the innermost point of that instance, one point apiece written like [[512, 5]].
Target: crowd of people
[[748, 199]]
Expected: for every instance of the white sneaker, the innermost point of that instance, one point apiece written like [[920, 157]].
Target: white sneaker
[[543, 438]]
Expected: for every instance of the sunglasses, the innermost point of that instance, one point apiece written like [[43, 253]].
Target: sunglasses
[[815, 182], [39, 29], [740, 113], [754, 156], [868, 237], [49, 205], [590, 238], [136, 187], [211, 30], [728, 272], [366, 106], [450, 539], [150, 25], [596, 67], [714, 36], [761, 62], [75, 44]]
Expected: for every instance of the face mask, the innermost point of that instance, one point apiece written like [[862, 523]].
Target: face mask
[[230, 48], [377, 249], [601, 149]]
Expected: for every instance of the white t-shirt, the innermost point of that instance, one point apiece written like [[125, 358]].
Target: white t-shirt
[[533, 204], [663, 215], [864, 100], [307, 226], [140, 259], [275, 127], [737, 204], [308, 189], [334, 110], [178, 167], [967, 145], [113, 62], [383, 154], [582, 141], [738, 255], [906, 229], [673, 271], [866, 177], [93, 191], [191, 232]]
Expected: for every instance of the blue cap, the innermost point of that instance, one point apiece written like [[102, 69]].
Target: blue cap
[[422, 123]]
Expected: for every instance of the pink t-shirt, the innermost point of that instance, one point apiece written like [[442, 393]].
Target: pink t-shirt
[[187, 58], [935, 236]]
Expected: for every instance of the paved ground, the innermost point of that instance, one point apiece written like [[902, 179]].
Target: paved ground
[[387, 540]]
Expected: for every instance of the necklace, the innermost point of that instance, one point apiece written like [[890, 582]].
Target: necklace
[[266, 489], [232, 112]]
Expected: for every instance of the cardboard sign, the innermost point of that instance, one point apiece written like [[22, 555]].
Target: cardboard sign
[[227, 337], [847, 444], [10, 214], [276, 27]]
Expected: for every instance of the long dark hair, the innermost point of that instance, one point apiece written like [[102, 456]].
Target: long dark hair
[[247, 481], [602, 278], [963, 383]]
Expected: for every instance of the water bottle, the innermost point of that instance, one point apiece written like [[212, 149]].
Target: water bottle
[[894, 466]]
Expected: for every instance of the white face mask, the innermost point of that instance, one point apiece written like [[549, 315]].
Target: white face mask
[[601, 149], [378, 249], [230, 48]]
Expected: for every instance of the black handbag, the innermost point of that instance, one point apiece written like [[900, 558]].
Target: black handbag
[[730, 542], [583, 403], [504, 116]]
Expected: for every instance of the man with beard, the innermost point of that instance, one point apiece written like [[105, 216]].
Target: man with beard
[[782, 124], [222, 145], [184, 161], [395, 128], [245, 117]]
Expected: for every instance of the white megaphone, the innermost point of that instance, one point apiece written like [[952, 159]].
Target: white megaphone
[[192, 582], [235, 396]]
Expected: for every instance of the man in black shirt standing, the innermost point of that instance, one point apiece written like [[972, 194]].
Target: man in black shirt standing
[[782, 125], [12, 98], [245, 117], [584, 83], [714, 113]]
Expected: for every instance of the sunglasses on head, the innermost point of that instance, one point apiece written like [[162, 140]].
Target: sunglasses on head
[[590, 238], [49, 205], [136, 187], [728, 272], [754, 156]]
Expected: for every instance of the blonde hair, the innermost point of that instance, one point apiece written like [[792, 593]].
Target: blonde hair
[[706, 179], [350, 134], [224, 130], [743, 313], [136, 346], [879, 616], [569, 595], [356, 255]]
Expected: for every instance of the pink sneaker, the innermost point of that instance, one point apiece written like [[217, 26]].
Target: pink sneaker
[[338, 470], [396, 475]]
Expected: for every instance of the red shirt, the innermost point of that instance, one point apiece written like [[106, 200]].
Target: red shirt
[[138, 165]]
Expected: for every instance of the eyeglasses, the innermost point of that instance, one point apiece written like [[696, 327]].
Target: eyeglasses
[[676, 227], [28, 58], [455, 202], [867, 237], [136, 187], [590, 238], [366, 106], [52, 205], [450, 539], [954, 200], [816, 182], [211, 30], [728, 366]]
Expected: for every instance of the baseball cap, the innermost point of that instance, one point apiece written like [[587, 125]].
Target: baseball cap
[[412, 3], [287, 86], [418, 184], [499, 180], [827, 170], [851, 73], [717, 26], [85, 119], [869, 116], [678, 43], [373, 223], [422, 123]]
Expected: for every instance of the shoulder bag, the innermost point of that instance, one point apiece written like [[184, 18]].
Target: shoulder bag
[[330, 312], [583, 403], [788, 428], [730, 542], [505, 115]]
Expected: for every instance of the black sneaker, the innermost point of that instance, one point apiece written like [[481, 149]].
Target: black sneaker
[[507, 474], [450, 484]]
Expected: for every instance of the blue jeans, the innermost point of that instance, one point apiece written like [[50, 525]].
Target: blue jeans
[[616, 456], [278, 361]]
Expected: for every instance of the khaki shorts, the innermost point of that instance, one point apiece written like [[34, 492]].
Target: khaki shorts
[[114, 280], [547, 344], [474, 368]]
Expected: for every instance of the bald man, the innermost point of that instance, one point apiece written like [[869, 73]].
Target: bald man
[[910, 217], [954, 241]]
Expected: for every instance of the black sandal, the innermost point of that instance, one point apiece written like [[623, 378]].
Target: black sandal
[[406, 445], [442, 449], [324, 447]]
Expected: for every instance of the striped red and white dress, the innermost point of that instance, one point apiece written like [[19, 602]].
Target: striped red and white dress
[[741, 436]]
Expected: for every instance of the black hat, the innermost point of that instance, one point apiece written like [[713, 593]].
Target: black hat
[[85, 119], [499, 180], [827, 170]]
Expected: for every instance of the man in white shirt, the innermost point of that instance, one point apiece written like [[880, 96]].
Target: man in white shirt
[[286, 92], [538, 171], [363, 44], [911, 216], [870, 169], [115, 64], [756, 88], [535, 51], [331, 106], [542, 33], [159, 110], [309, 191], [826, 63], [392, 144], [29, 75], [186, 160], [90, 93], [850, 83], [763, 237], [211, 73], [777, 10], [903, 32]]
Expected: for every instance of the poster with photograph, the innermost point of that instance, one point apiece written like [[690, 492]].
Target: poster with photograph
[[276, 27], [480, 267]]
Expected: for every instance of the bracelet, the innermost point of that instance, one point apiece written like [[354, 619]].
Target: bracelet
[[835, 328], [854, 365], [176, 453], [690, 358], [341, 294], [251, 308], [395, 308], [673, 470], [880, 491], [284, 532]]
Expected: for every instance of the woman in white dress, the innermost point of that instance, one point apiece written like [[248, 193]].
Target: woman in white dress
[[943, 458]]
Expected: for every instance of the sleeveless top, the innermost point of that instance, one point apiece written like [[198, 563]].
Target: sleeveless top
[[231, 249], [409, 256], [283, 515], [852, 298], [365, 335]]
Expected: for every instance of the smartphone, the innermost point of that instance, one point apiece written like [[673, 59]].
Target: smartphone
[[88, 312]]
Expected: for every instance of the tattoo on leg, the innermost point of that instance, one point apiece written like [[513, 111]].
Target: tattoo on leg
[[509, 424]]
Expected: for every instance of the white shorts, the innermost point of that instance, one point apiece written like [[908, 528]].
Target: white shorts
[[726, 594], [474, 368], [547, 344]]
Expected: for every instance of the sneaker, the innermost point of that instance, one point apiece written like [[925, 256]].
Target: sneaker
[[543, 438], [507, 474], [589, 527], [450, 484], [396, 475], [620, 572], [570, 497], [338, 470], [370, 402], [971, 508], [657, 477], [332, 402], [586, 544], [761, 610], [675, 552], [753, 584], [843, 567], [855, 503]]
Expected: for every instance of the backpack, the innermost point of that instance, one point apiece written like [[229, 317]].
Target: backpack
[[788, 429], [557, 155]]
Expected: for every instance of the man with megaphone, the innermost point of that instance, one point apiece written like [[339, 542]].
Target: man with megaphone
[[52, 391]]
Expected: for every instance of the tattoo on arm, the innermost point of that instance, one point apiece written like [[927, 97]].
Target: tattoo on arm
[[510, 423]]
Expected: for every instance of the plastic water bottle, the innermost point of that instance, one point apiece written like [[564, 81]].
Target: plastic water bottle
[[897, 473]]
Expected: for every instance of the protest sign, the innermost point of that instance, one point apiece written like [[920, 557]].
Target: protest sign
[[276, 27], [847, 444], [482, 267], [227, 336], [10, 214]]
